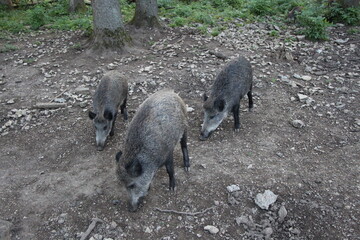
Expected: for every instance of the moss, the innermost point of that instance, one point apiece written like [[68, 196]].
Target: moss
[[109, 39]]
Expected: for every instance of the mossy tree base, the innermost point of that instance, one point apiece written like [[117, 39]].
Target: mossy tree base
[[145, 22], [109, 39]]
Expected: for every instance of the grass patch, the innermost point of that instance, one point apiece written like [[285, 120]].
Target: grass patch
[[8, 48], [312, 16]]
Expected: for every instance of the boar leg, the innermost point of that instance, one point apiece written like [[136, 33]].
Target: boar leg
[[236, 113], [183, 143], [170, 170], [124, 110], [113, 125], [249, 94]]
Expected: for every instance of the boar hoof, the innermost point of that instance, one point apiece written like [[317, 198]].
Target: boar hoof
[[187, 169], [237, 130], [202, 138], [100, 148]]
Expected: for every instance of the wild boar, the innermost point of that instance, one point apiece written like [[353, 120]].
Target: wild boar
[[230, 86], [158, 125], [111, 93]]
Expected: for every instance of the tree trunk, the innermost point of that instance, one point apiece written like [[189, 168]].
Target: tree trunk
[[108, 25], [146, 14], [6, 2], [76, 5], [349, 3]]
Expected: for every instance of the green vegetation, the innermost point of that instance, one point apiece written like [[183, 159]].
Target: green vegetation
[[209, 16], [8, 48], [353, 31]]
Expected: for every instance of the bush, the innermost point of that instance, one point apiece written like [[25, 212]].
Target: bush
[[261, 7], [337, 14], [36, 17], [314, 25], [178, 22], [183, 11], [61, 8], [165, 3], [203, 18]]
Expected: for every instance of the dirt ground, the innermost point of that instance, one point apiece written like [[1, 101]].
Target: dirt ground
[[54, 182]]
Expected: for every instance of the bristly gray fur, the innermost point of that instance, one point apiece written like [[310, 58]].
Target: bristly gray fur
[[110, 93], [158, 125], [232, 83], [230, 86]]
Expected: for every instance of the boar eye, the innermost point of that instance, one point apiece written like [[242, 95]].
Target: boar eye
[[105, 127], [211, 117], [132, 186]]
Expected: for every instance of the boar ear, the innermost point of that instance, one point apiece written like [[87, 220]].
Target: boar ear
[[138, 169], [205, 97], [108, 115], [92, 115], [219, 104], [118, 155], [134, 168]]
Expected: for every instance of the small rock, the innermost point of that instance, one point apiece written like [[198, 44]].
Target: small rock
[[276, 28], [148, 230], [189, 109], [297, 76], [98, 237], [282, 213], [267, 232], [233, 188], [300, 37], [302, 97], [5, 229], [211, 229], [297, 123], [82, 89], [59, 100], [83, 104], [113, 225], [264, 200], [245, 220], [111, 66], [147, 69], [11, 101], [340, 41], [295, 231], [306, 78]]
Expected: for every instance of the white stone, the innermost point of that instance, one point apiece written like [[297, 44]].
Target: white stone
[[282, 213], [189, 109], [264, 200], [306, 78], [297, 123], [211, 229], [297, 76], [233, 188], [302, 97]]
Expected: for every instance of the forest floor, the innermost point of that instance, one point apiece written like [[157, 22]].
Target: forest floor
[[301, 141]]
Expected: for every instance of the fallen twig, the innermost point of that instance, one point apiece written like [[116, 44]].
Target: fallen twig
[[218, 55], [90, 228], [49, 105], [59, 95], [185, 213]]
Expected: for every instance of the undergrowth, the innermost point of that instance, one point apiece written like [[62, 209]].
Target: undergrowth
[[209, 16]]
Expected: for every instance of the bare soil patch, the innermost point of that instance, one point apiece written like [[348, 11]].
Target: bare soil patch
[[54, 182]]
